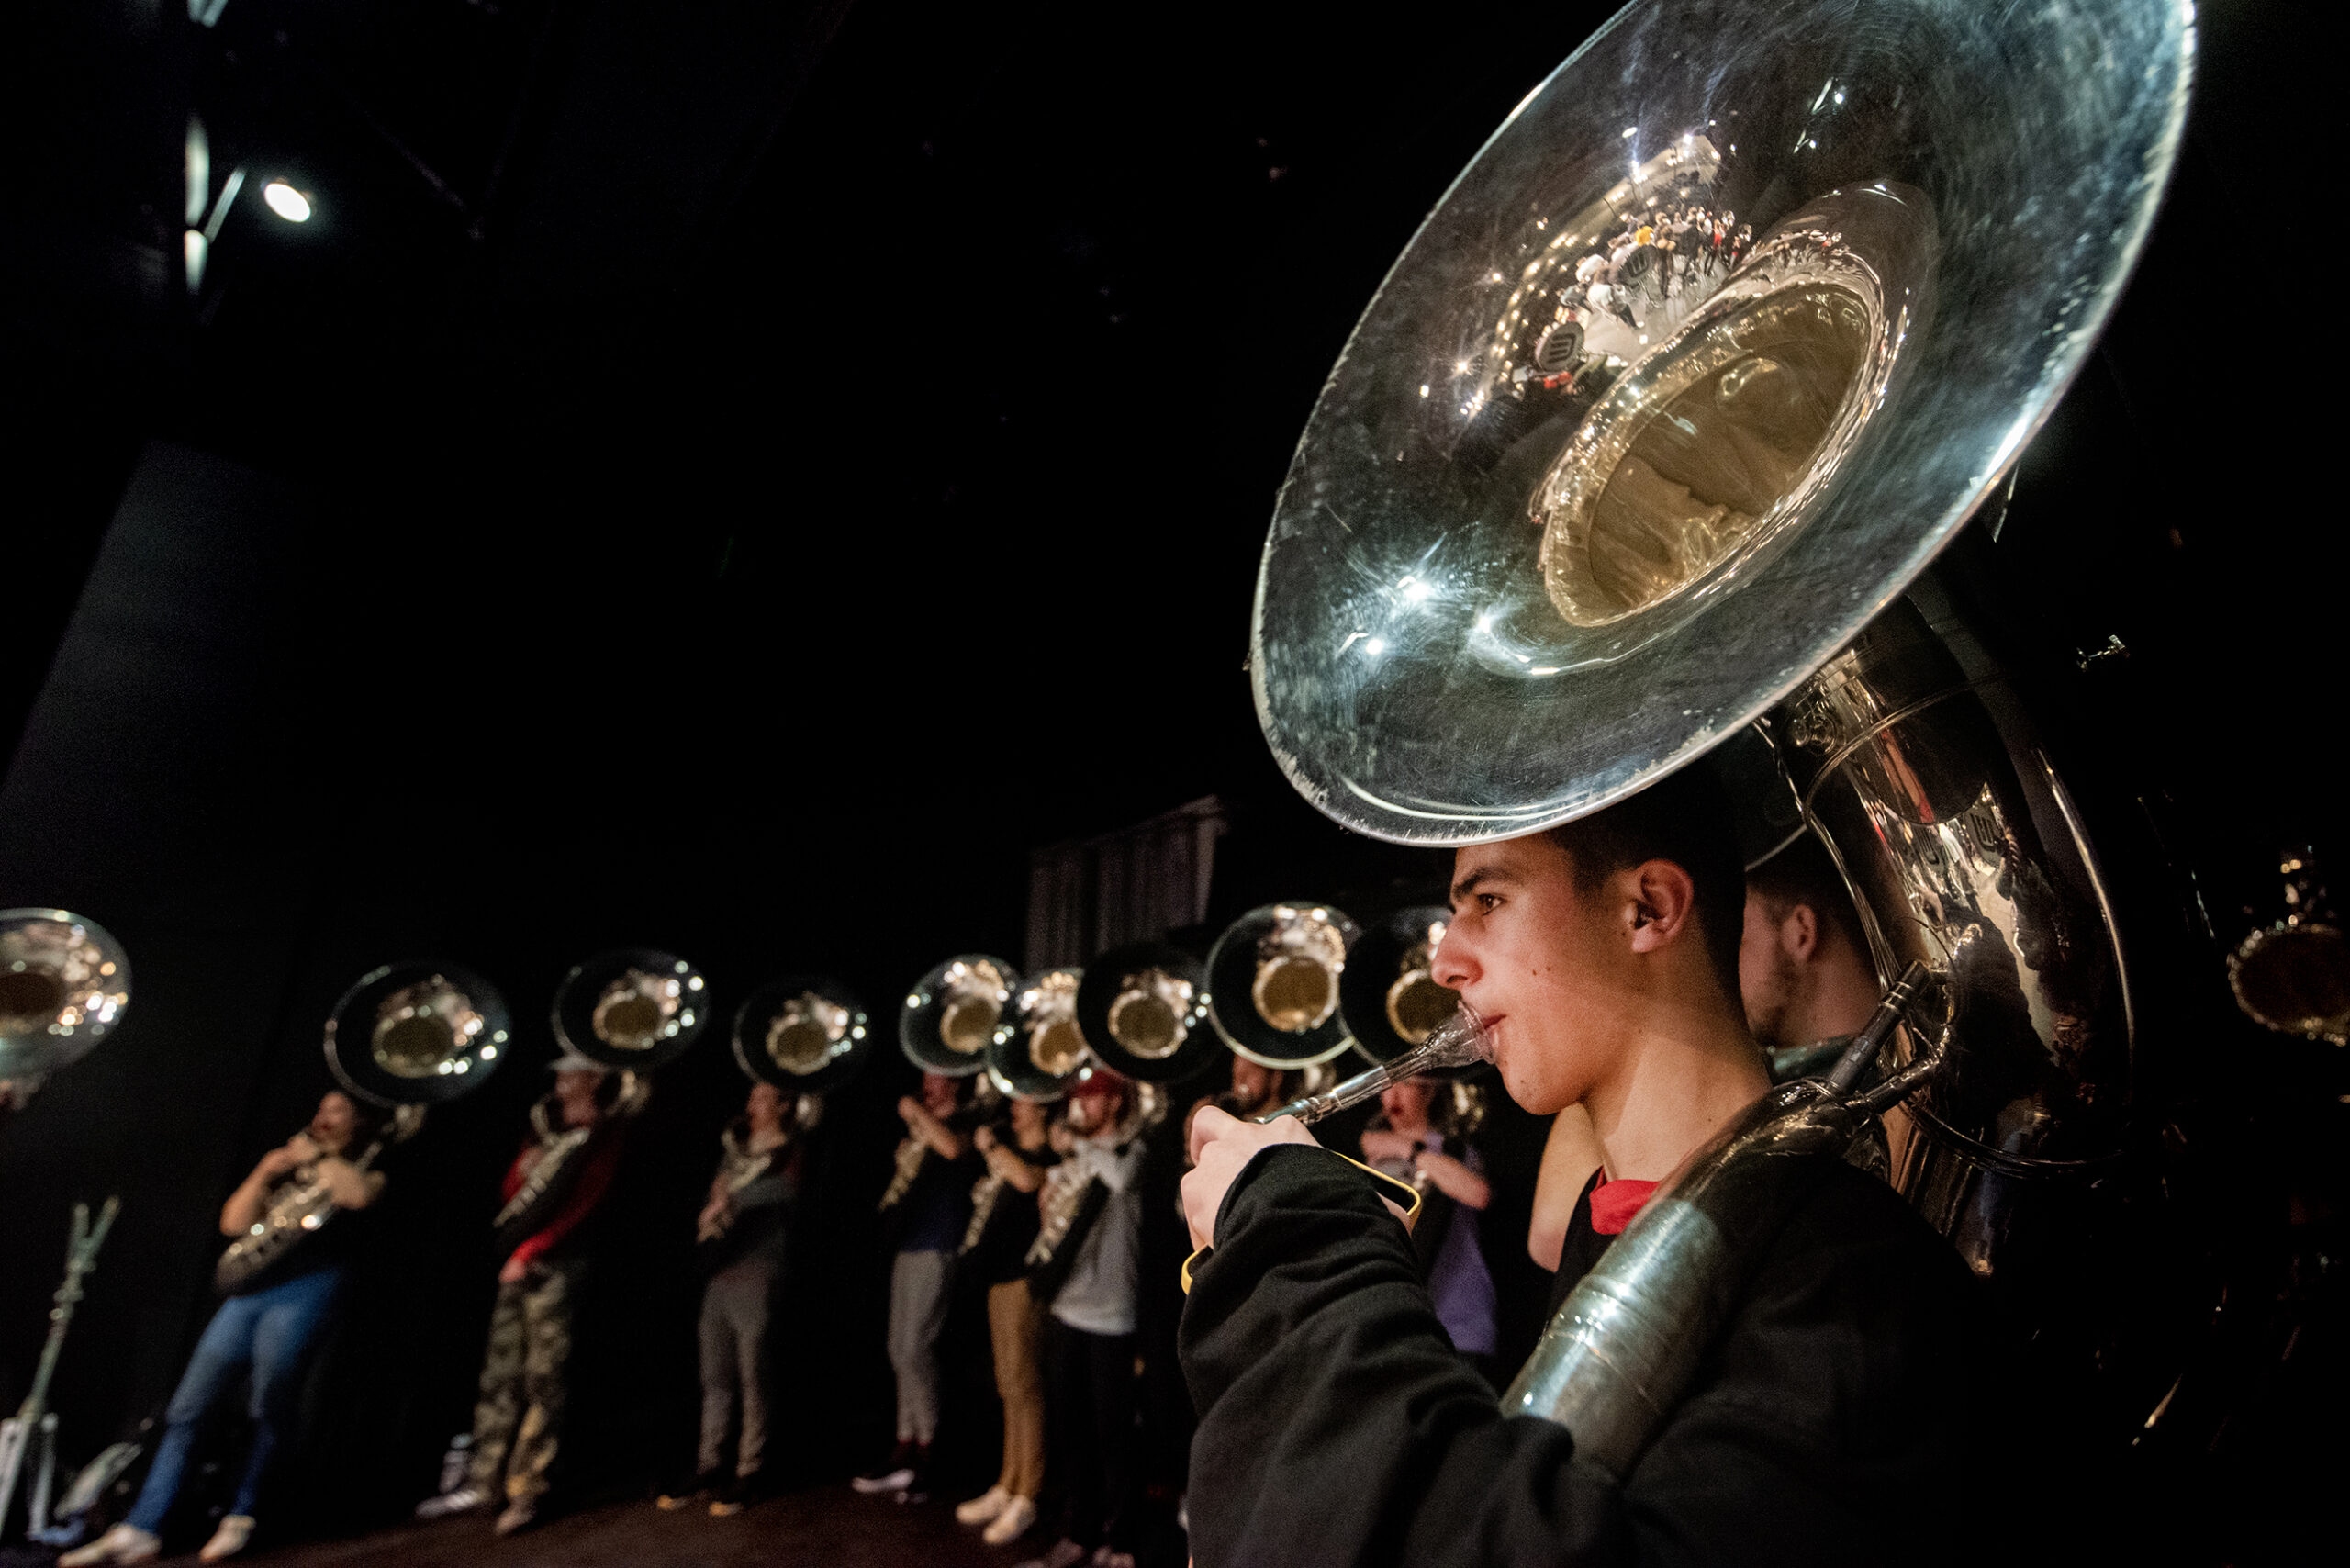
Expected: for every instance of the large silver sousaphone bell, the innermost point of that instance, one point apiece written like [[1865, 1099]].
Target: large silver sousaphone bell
[[1273, 979], [417, 1034], [804, 1034], [1038, 1057], [1142, 1009], [1389, 1000], [954, 1013], [64, 985], [635, 1008]]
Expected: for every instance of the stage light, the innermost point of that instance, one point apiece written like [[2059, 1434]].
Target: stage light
[[287, 202]]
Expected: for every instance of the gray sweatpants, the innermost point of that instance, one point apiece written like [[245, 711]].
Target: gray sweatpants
[[917, 1312], [735, 1309]]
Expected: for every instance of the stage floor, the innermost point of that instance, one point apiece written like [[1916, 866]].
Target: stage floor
[[823, 1527]]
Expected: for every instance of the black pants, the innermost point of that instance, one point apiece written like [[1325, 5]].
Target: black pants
[[1089, 1410]]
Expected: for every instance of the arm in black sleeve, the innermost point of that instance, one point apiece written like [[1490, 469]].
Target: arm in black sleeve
[[1337, 1425]]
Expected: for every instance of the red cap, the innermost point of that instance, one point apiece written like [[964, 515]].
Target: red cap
[[1098, 1083]]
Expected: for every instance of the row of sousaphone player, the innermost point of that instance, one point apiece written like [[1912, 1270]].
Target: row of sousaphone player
[[1291, 986]]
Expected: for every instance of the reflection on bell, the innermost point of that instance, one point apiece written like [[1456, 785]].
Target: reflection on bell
[[1298, 960], [1708, 448], [804, 1030], [1150, 1016], [637, 1011], [423, 1028]]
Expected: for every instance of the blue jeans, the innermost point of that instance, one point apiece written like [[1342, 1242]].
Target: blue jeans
[[269, 1332]]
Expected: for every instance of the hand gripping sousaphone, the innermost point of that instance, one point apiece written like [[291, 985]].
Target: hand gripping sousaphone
[[1561, 523]]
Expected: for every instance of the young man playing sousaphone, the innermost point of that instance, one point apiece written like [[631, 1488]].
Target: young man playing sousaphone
[[1828, 1423], [553, 1194]]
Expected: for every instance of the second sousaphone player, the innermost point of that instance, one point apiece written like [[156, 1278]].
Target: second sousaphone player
[[617, 1017]]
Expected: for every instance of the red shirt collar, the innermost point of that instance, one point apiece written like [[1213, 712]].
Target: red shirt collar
[[1613, 1204]]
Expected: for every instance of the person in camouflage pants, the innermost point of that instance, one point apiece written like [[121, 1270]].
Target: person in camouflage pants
[[518, 1412]]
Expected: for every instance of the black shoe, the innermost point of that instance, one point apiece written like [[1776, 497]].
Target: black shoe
[[917, 1486], [705, 1487]]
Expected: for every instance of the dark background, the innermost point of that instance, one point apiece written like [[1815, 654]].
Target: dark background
[[737, 476]]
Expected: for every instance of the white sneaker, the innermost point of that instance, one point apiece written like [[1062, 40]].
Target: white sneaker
[[1019, 1517], [983, 1507], [123, 1543], [230, 1539], [464, 1500]]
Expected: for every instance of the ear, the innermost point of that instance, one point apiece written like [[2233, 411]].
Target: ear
[[1799, 933], [1662, 906]]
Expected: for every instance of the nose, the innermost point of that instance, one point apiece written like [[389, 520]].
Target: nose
[[1450, 965]]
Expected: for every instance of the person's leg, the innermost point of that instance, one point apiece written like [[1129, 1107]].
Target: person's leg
[[498, 1403], [292, 1316], [1001, 1330], [929, 1290], [905, 1345], [220, 1355], [1071, 1371], [1020, 1380], [1111, 1379], [716, 1379], [549, 1295], [749, 1312]]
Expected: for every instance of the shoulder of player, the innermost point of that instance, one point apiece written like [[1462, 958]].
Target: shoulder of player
[[1855, 1247]]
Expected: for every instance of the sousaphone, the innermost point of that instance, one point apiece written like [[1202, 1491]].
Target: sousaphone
[[1143, 1011], [633, 1008], [1044, 1050], [64, 986], [406, 1037], [1500, 593], [1273, 983], [954, 1012], [804, 1034], [1389, 1001]]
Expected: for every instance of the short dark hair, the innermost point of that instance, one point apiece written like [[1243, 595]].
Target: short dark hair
[[1803, 874], [1685, 818]]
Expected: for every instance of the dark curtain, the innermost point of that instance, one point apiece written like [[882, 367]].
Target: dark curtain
[[1093, 894]]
